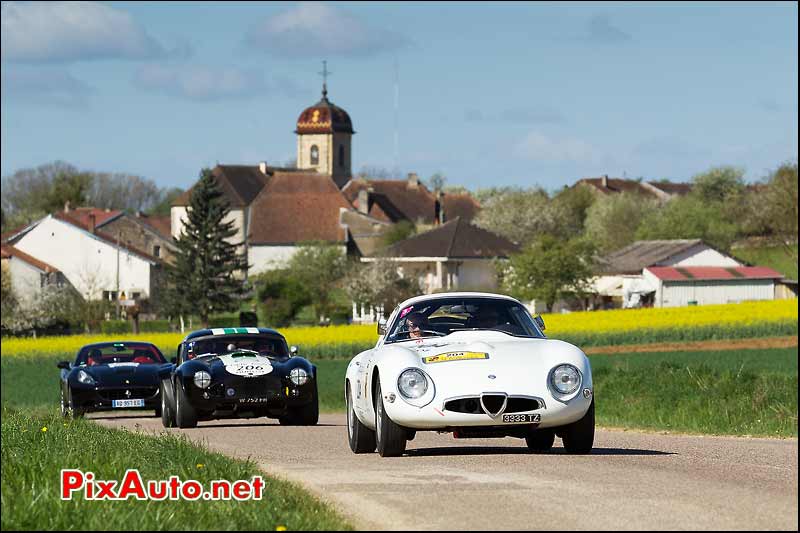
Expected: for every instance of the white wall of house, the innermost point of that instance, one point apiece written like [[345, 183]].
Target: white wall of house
[[88, 262], [476, 274], [707, 292], [700, 255], [271, 257], [177, 216], [26, 280]]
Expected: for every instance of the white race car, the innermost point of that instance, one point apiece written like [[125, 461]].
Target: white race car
[[474, 364]]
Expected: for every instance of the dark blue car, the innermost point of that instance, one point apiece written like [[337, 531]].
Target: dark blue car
[[107, 376], [238, 373]]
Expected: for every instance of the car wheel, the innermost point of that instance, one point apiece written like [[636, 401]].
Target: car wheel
[[390, 438], [305, 415], [167, 416], [185, 415], [360, 437], [68, 410], [540, 440], [578, 437]]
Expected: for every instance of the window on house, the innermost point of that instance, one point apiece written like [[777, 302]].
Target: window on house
[[157, 251], [341, 155], [110, 295], [315, 155]]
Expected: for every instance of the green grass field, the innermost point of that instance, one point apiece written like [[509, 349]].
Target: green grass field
[[732, 392], [36, 447], [769, 256]]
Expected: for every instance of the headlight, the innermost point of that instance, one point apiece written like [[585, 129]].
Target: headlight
[[85, 378], [412, 383], [202, 379], [565, 379], [298, 376]]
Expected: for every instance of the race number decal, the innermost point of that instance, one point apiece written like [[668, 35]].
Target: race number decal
[[454, 356], [247, 367]]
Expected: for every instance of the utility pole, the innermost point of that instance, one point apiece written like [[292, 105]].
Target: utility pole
[[118, 308]]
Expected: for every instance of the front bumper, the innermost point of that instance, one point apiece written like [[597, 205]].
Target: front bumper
[[250, 397], [554, 412], [102, 398]]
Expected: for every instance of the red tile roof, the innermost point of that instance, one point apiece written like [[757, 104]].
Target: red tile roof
[[295, 207], [457, 238], [240, 184], [412, 203], [81, 214], [460, 205], [161, 224], [713, 273], [9, 251]]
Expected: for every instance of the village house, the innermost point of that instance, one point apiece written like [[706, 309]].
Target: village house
[[97, 264], [672, 273]]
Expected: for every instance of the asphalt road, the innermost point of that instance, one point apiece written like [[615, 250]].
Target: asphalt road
[[631, 480]]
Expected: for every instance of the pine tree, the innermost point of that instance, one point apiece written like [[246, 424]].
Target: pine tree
[[208, 271]]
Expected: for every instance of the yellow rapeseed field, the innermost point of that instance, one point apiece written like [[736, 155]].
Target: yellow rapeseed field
[[600, 322]]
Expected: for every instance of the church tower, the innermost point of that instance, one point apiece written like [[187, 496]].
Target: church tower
[[324, 139]]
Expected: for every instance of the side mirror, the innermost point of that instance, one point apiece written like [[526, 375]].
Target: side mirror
[[293, 350], [381, 326], [63, 364], [539, 322]]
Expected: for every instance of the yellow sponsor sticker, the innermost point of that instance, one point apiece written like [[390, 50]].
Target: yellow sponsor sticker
[[454, 356]]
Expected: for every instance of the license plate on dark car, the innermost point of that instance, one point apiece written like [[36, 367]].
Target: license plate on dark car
[[253, 400], [515, 419], [127, 403]]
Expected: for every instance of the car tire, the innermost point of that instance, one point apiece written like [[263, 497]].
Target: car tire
[[167, 416], [359, 436], [67, 408], [578, 437], [390, 439], [305, 415], [540, 440], [185, 414]]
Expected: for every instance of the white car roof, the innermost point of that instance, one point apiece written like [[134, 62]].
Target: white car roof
[[441, 295]]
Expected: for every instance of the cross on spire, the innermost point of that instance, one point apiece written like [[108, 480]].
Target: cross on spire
[[325, 72]]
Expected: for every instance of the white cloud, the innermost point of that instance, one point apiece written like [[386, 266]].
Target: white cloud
[[314, 28], [39, 32], [537, 146], [201, 82], [44, 86]]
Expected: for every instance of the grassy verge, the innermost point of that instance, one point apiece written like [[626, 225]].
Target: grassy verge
[[36, 448], [727, 392]]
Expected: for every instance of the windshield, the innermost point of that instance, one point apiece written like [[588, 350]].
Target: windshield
[[221, 344], [442, 316], [119, 352]]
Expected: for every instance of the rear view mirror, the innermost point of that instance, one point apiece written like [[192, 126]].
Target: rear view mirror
[[539, 322], [63, 364], [381, 326]]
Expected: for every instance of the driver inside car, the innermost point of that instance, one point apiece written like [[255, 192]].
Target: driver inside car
[[416, 324]]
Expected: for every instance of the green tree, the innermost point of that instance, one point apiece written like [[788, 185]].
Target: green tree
[[319, 267], [570, 208], [690, 217], [398, 232], [719, 184], [549, 269], [378, 283], [281, 296], [775, 207], [520, 215], [209, 270], [612, 221]]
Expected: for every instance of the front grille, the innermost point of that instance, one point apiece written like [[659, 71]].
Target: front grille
[[493, 403], [135, 393], [521, 405], [464, 405], [472, 405]]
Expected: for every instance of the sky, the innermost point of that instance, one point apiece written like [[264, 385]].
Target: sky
[[487, 94]]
